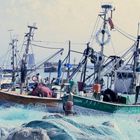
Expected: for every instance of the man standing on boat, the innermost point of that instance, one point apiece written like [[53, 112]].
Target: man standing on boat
[[39, 79]]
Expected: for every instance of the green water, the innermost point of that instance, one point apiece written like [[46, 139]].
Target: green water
[[86, 125]]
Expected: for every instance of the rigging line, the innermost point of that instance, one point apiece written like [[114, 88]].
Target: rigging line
[[46, 47], [76, 52], [52, 42], [55, 42], [76, 74], [129, 59], [122, 67], [77, 68], [49, 57], [76, 43], [33, 53], [128, 50], [94, 28], [123, 55], [32, 49], [5, 56], [65, 59], [22, 45], [111, 42], [94, 36], [113, 46], [125, 34]]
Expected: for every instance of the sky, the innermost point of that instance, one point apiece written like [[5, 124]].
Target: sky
[[59, 21]]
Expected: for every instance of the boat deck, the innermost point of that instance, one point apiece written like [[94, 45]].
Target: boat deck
[[13, 96]]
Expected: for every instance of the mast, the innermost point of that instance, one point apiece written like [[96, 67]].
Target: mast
[[105, 8], [136, 63], [85, 66], [69, 66], [13, 44], [68, 73], [29, 35]]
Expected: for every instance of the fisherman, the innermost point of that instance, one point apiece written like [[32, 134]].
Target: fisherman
[[46, 80], [39, 79], [53, 80]]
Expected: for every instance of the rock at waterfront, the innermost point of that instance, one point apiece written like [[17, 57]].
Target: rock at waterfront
[[28, 134], [3, 133]]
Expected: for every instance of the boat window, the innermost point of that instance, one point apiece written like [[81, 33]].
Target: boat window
[[124, 75], [7, 76]]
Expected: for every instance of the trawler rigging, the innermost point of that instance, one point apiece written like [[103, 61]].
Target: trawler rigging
[[29, 35], [123, 72], [13, 62]]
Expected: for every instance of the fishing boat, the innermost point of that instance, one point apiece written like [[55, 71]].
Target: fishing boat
[[26, 99], [20, 94], [122, 83], [110, 107]]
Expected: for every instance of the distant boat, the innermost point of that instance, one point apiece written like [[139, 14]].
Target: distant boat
[[49, 67]]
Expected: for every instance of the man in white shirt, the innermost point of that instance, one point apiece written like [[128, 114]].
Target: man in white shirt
[[39, 79]]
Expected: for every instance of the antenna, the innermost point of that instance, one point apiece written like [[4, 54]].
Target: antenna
[[138, 29], [10, 31]]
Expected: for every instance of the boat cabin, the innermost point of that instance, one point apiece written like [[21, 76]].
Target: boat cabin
[[5, 80], [124, 81]]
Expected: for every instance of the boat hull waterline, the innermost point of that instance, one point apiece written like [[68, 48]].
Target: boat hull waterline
[[103, 106], [26, 99]]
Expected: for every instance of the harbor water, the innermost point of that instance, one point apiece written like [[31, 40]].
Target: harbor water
[[18, 122]]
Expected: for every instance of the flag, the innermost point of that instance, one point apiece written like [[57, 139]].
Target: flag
[[111, 23]]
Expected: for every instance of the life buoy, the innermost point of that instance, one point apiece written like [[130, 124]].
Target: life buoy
[[99, 40], [34, 78]]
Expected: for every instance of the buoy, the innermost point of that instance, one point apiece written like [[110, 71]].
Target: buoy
[[68, 107], [34, 78], [99, 39], [96, 88]]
